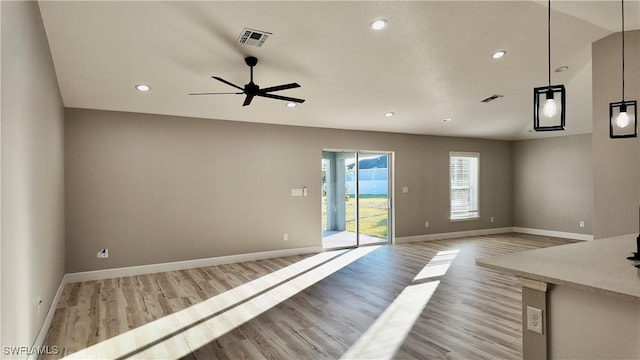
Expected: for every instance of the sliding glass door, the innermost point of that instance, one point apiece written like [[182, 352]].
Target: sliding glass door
[[339, 203], [374, 201], [355, 198]]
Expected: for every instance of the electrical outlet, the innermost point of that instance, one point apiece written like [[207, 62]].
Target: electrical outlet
[[103, 253], [426, 224], [534, 319], [581, 223], [492, 219], [285, 237], [39, 303]]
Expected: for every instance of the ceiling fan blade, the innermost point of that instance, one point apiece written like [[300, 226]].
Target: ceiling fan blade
[[281, 87], [228, 83], [216, 93], [278, 97], [248, 99]]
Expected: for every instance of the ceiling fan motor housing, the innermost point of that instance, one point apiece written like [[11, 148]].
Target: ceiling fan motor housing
[[251, 61]]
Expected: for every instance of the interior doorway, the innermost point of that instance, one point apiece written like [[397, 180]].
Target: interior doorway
[[356, 198]]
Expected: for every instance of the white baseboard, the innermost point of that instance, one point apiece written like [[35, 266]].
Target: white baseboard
[[560, 234], [42, 335], [155, 268], [459, 234], [190, 264], [183, 265], [452, 235]]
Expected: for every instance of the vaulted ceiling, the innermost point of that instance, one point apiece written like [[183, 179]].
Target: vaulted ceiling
[[432, 62]]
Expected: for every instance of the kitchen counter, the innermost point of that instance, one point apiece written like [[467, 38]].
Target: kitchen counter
[[598, 266], [588, 294]]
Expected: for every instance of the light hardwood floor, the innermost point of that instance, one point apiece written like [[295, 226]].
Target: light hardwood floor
[[312, 308]]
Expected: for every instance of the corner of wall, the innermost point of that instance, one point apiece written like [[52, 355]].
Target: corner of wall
[[32, 177]]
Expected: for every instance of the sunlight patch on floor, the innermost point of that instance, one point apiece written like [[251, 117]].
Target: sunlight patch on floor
[[438, 265], [385, 336], [181, 333], [195, 337], [131, 341], [383, 339]]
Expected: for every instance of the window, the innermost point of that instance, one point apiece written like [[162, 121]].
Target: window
[[464, 170]]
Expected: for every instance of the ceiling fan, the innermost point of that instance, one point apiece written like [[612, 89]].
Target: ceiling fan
[[252, 90]]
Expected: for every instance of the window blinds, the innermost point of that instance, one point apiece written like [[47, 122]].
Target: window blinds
[[463, 188]]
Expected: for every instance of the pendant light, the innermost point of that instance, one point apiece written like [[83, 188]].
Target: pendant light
[[623, 118], [549, 101]]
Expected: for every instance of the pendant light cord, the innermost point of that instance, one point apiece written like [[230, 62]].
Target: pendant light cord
[[622, 51], [549, 43]]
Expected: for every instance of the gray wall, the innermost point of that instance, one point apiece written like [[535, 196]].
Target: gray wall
[[32, 144], [553, 184], [616, 167], [156, 188]]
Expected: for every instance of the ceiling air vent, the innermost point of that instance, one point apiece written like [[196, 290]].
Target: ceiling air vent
[[253, 37], [491, 98]]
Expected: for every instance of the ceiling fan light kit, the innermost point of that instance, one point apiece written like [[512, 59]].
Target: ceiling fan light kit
[[251, 89], [623, 115], [549, 102]]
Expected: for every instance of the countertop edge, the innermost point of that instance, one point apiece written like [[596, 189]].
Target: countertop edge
[[556, 281]]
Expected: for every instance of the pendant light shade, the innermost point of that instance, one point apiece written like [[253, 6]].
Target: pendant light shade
[[548, 108], [623, 119], [549, 102], [623, 115]]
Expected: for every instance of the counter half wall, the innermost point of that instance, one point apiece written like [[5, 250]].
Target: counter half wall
[[589, 294]]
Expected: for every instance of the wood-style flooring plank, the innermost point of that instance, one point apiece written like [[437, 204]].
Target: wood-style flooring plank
[[473, 313]]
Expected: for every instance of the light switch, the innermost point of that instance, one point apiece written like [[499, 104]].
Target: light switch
[[405, 189]]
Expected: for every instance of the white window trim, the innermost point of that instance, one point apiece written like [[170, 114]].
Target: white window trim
[[464, 154]]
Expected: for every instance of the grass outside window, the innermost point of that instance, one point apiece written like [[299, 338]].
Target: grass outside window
[[373, 215]]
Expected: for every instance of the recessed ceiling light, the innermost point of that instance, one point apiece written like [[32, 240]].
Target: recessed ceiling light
[[562, 68], [291, 104], [389, 114], [498, 54], [446, 120], [379, 24], [143, 87]]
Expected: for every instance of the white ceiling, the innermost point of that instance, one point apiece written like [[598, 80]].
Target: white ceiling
[[432, 61]]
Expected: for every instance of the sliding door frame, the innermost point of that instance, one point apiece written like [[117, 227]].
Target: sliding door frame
[[390, 194]]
